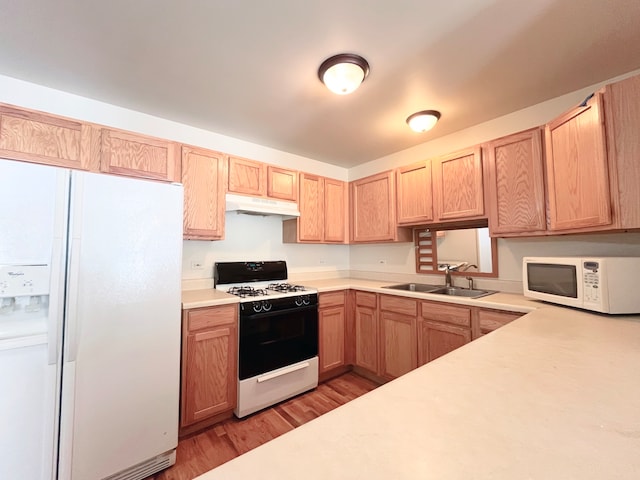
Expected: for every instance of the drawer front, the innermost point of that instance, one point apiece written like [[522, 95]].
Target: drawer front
[[445, 312], [489, 320], [332, 299], [366, 299], [201, 318], [396, 304]]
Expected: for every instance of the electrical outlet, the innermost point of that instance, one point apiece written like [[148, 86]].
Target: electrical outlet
[[382, 261], [195, 265], [322, 261]]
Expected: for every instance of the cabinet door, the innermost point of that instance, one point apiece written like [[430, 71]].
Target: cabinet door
[[490, 320], [373, 211], [398, 344], [310, 222], [436, 339], [331, 322], [203, 175], [41, 138], [210, 373], [366, 338], [414, 204], [457, 185], [516, 183], [577, 169], [282, 183], [134, 155], [247, 177], [622, 115], [335, 211]]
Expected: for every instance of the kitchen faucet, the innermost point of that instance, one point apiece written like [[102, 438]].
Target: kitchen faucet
[[447, 276]]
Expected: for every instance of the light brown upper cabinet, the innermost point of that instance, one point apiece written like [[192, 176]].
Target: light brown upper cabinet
[[622, 113], [203, 177], [248, 177], [577, 168], [457, 186], [282, 183], [133, 155], [373, 212], [515, 184], [323, 212], [41, 138], [414, 198]]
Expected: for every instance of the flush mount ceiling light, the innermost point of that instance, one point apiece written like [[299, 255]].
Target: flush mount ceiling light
[[343, 73], [423, 121]]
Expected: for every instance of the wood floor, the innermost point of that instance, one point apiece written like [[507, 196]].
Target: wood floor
[[201, 452]]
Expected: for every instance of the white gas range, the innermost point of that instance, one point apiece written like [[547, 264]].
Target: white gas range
[[278, 333]]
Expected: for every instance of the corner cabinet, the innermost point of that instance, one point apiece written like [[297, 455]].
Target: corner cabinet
[[133, 155], [457, 186], [414, 196], [323, 212], [373, 212], [578, 169], [41, 138], [209, 363], [203, 177], [515, 184]]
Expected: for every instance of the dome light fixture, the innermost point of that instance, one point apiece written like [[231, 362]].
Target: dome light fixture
[[343, 73], [423, 121]]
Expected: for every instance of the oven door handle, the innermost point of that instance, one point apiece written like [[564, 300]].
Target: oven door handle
[[284, 371]]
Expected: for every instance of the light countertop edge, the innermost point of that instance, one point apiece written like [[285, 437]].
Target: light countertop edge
[[499, 301]]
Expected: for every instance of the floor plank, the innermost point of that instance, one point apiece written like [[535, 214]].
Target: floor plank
[[201, 452]]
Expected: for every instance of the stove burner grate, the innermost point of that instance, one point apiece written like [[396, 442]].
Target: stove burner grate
[[285, 287], [246, 291]]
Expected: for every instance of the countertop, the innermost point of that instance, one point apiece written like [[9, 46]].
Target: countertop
[[554, 394], [501, 301]]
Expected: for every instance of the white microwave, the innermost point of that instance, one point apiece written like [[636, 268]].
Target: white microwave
[[603, 284]]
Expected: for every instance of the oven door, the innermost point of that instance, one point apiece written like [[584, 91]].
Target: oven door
[[271, 340]]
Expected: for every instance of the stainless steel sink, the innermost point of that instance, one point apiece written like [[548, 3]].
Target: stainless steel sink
[[461, 292], [415, 287]]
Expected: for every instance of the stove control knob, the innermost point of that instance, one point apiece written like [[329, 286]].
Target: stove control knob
[[266, 305], [303, 300], [257, 307]]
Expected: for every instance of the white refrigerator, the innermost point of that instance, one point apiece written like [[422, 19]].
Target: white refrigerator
[[90, 269]]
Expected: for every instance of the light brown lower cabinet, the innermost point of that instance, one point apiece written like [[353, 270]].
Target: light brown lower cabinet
[[332, 330], [441, 329], [366, 331], [398, 352], [209, 362], [490, 320]]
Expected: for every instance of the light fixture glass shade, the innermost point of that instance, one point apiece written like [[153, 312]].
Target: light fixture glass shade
[[423, 121], [342, 74]]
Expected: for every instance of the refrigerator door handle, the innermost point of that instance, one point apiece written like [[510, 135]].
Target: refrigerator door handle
[[71, 337], [56, 311]]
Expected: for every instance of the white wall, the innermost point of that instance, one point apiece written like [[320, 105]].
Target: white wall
[[258, 238]]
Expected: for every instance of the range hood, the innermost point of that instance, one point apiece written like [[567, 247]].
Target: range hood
[[261, 206]]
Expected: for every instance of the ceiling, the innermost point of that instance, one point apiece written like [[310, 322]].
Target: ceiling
[[249, 69]]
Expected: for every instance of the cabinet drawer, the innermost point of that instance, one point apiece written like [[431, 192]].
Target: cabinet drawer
[[331, 299], [444, 312], [366, 299], [489, 320], [396, 304], [200, 318]]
